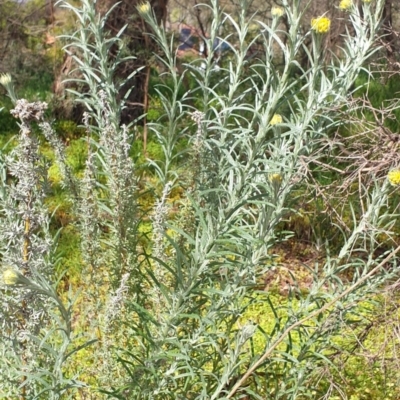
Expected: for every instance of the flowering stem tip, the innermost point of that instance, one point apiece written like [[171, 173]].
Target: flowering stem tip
[[394, 177], [277, 12], [10, 277], [345, 4], [276, 119], [321, 24], [5, 79], [275, 178], [144, 8]]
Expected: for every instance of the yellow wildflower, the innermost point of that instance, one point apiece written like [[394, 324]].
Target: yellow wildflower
[[10, 277], [275, 178], [345, 4], [144, 8], [394, 177], [5, 79], [321, 24], [277, 12], [276, 119]]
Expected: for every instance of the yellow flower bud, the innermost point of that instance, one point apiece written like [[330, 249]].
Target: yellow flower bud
[[394, 177], [144, 8], [275, 178], [5, 79], [277, 12], [10, 277], [321, 24], [276, 119], [345, 4]]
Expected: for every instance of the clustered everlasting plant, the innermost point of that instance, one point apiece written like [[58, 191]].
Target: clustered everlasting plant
[[345, 4], [277, 12], [164, 315], [394, 177], [321, 24], [36, 326]]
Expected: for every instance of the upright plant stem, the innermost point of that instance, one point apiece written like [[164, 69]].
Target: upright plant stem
[[25, 259]]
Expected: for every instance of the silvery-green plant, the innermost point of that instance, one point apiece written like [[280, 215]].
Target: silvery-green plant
[[109, 143], [37, 337], [173, 312], [107, 206], [259, 130]]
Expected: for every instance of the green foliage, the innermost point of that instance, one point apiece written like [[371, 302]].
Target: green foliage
[[38, 85], [366, 365], [8, 123], [68, 130], [69, 248], [155, 110], [380, 91]]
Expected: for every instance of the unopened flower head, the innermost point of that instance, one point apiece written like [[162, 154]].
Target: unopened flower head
[[275, 178], [394, 177], [144, 8], [276, 119], [345, 4], [10, 277], [277, 12], [321, 24], [5, 79]]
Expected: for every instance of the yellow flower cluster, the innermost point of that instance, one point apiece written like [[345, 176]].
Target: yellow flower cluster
[[321, 24], [345, 4], [276, 119], [5, 79], [277, 12], [394, 177], [275, 178], [144, 8], [10, 277]]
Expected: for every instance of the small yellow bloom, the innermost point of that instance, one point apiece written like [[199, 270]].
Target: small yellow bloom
[[345, 4], [321, 24], [276, 119], [394, 177], [10, 277], [275, 178], [367, 1], [144, 8], [5, 79], [277, 12]]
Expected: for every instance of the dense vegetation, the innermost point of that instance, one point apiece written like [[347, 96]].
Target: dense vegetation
[[236, 241]]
